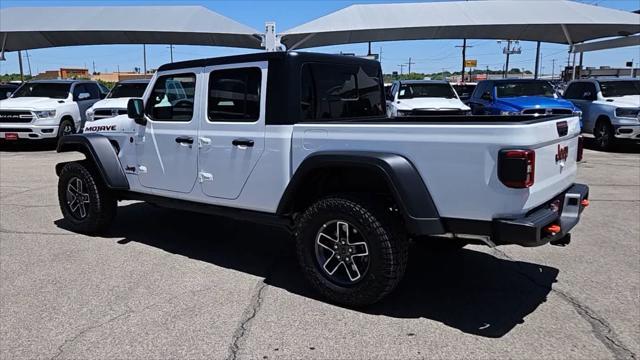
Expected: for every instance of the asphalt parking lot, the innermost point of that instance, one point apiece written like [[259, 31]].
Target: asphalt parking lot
[[171, 284]]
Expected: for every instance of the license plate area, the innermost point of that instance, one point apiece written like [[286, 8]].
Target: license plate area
[[11, 136]]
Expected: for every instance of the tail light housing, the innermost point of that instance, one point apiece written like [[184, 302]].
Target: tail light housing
[[580, 148], [517, 167]]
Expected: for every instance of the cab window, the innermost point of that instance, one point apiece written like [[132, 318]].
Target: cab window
[[172, 98], [333, 92]]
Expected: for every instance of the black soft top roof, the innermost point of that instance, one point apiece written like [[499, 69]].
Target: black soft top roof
[[267, 56]]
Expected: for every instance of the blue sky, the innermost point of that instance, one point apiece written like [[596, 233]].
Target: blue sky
[[429, 55]]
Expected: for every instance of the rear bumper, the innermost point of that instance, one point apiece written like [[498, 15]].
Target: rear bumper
[[530, 230]]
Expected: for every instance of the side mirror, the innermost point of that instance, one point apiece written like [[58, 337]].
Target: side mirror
[[486, 96], [84, 96], [9, 94], [135, 111]]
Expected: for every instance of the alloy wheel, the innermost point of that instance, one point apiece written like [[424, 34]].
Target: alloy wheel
[[77, 198], [342, 252]]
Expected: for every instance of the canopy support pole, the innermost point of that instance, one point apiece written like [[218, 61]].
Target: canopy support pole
[[20, 64], [537, 60], [573, 67], [4, 43], [144, 58]]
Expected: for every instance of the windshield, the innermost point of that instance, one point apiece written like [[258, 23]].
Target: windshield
[[528, 88], [410, 91], [130, 90], [620, 88], [49, 90]]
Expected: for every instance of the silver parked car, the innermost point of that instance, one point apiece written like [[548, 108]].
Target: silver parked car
[[610, 108]]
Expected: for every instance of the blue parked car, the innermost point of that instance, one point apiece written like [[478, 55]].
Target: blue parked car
[[518, 97]]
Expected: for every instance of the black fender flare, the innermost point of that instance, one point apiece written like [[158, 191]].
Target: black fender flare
[[403, 179], [100, 152]]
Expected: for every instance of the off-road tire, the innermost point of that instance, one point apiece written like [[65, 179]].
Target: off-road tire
[[100, 209], [604, 135], [387, 244]]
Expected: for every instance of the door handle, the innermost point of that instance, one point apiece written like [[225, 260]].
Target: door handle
[[242, 142], [184, 140]]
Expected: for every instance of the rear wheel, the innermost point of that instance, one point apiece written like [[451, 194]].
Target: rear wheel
[[603, 134], [351, 251], [86, 203]]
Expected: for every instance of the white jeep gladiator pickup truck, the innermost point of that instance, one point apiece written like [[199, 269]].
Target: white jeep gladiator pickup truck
[[302, 141], [47, 109]]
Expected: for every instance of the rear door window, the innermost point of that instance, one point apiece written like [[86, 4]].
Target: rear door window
[[234, 95]]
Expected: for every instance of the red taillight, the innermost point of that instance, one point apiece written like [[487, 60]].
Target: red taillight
[[516, 168], [580, 148]]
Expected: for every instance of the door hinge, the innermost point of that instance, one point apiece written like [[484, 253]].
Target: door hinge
[[203, 141], [204, 176]]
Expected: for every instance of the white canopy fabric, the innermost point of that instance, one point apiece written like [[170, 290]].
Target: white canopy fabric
[[553, 21], [633, 40], [42, 27]]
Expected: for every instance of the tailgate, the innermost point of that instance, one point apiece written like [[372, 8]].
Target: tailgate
[[556, 159]]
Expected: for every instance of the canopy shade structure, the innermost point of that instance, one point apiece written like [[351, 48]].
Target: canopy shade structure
[[633, 40], [553, 21], [43, 27]]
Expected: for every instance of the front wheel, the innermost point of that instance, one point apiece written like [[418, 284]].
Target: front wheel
[[603, 134], [351, 251], [86, 203], [67, 127]]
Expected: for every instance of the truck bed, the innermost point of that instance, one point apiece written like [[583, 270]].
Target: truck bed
[[457, 156]]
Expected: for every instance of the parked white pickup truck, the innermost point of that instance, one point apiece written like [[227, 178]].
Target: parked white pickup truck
[[424, 98], [302, 141], [116, 101], [46, 109]]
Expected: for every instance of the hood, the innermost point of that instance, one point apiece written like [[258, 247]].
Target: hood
[[430, 103], [528, 102], [116, 103], [118, 124], [34, 103], [622, 101]]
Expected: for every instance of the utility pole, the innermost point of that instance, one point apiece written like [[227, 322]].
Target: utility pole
[[401, 68], [380, 56], [144, 57], [409, 63], [369, 49], [20, 63], [553, 68], [508, 51], [94, 67], [171, 52], [26, 54], [443, 74], [487, 73], [464, 55]]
